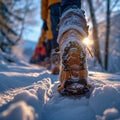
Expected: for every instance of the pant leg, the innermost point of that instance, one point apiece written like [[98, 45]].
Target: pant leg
[[54, 16], [72, 9], [48, 48], [69, 3]]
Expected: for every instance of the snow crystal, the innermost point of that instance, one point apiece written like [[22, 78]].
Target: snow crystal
[[27, 97], [44, 90], [37, 98], [103, 98], [19, 111], [69, 23], [110, 114]]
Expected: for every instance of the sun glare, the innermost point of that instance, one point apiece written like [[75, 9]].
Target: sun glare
[[87, 41]]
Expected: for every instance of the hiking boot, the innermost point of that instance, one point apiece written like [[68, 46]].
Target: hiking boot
[[73, 69]]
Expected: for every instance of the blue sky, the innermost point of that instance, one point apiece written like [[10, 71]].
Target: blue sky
[[32, 32]]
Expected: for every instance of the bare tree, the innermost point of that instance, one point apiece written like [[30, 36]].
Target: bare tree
[[7, 24], [95, 32], [107, 35], [108, 24], [12, 20]]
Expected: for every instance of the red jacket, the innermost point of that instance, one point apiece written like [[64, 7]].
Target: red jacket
[[41, 51]]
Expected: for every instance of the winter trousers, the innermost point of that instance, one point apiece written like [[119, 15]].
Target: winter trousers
[[54, 16]]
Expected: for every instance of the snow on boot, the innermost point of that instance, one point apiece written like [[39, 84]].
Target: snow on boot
[[73, 72], [55, 61], [46, 63]]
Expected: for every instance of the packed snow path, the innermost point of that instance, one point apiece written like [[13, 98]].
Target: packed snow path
[[29, 93]]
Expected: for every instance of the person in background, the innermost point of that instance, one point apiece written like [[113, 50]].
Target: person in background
[[44, 41], [50, 15], [54, 6], [38, 55]]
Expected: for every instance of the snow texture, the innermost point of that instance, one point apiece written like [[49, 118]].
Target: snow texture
[[29, 93], [19, 111], [72, 23]]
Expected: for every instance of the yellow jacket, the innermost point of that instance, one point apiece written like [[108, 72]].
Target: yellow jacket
[[46, 34], [42, 38], [44, 9], [45, 6], [45, 14], [49, 35], [51, 2]]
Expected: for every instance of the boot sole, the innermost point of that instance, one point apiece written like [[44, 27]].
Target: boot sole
[[74, 72]]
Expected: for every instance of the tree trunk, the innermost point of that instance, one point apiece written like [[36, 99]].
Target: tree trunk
[[95, 33], [107, 35]]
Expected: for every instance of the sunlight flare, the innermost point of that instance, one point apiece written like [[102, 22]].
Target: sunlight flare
[[87, 42]]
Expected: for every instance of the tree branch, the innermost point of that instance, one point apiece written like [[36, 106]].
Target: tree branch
[[3, 25], [5, 35], [114, 5], [5, 8]]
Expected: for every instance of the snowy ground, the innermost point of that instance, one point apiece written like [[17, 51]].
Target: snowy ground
[[28, 92]]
